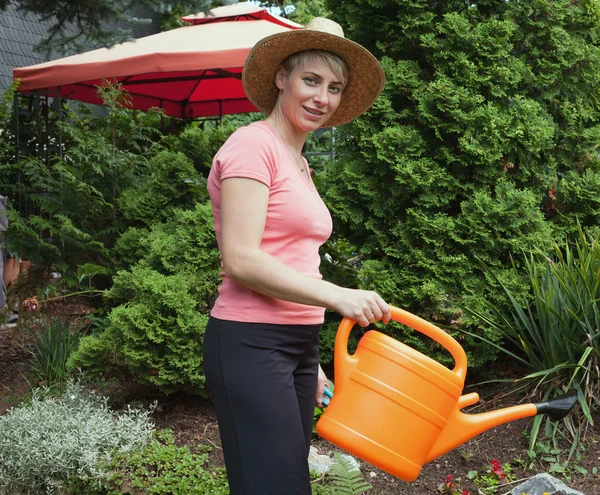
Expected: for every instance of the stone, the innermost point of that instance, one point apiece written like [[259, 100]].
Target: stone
[[321, 463], [544, 483]]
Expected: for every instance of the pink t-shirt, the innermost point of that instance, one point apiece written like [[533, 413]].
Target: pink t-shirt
[[297, 223]]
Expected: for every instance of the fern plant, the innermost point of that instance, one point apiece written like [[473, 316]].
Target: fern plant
[[345, 478]]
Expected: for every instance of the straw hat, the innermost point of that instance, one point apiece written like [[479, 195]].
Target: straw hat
[[365, 81]]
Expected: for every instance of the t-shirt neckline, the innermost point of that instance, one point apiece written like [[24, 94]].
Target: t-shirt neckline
[[308, 181]]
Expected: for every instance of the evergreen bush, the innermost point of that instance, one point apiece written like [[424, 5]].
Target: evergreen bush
[[483, 143], [159, 190], [161, 306], [63, 202]]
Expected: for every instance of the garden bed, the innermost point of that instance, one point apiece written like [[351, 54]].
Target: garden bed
[[193, 422]]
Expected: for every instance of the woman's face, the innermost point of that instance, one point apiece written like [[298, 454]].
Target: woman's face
[[308, 96]]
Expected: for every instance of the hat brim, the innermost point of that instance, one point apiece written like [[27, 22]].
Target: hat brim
[[366, 77]]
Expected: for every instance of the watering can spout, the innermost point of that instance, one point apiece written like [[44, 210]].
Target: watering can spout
[[462, 427]]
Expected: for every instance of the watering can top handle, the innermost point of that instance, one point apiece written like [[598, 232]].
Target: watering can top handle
[[421, 325]]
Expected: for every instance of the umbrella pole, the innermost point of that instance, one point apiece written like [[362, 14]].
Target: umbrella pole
[[60, 148], [17, 146]]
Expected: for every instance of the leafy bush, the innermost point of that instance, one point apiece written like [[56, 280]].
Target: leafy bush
[[200, 143], [162, 468], [160, 189], [161, 329], [555, 330], [162, 303], [479, 146], [46, 441], [70, 194]]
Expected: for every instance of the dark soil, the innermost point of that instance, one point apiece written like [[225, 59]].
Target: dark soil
[[194, 422]]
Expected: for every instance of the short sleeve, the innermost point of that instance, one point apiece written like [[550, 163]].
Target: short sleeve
[[248, 153]]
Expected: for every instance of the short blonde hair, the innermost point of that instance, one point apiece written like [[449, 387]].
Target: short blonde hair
[[333, 61]]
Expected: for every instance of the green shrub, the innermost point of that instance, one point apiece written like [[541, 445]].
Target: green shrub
[[70, 195], [162, 468], [161, 188], [201, 143], [46, 441], [161, 329], [479, 146], [162, 306], [131, 247], [97, 353]]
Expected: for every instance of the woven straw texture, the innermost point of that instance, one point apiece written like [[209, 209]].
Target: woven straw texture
[[365, 82]]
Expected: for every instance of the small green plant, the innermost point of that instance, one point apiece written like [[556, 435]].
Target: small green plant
[[74, 282], [345, 478], [46, 441], [492, 477], [162, 468], [467, 454], [53, 344], [557, 461]]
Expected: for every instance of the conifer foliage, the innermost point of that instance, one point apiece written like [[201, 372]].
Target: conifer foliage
[[482, 145]]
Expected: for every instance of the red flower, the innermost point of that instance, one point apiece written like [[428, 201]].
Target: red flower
[[448, 483], [497, 469], [465, 492]]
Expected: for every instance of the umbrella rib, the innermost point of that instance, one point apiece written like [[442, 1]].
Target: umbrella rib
[[219, 74], [239, 17], [185, 101], [91, 86]]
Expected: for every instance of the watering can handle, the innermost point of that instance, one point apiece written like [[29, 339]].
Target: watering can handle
[[344, 363]]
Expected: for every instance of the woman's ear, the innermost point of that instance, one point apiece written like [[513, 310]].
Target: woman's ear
[[280, 76]]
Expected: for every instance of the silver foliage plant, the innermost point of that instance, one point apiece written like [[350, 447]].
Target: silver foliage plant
[[46, 441]]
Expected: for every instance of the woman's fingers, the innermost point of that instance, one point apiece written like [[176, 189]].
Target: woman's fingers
[[365, 307], [321, 384]]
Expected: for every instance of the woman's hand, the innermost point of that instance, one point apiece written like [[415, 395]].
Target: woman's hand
[[363, 306], [321, 384]]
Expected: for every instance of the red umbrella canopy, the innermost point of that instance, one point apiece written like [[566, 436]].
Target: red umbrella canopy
[[193, 71], [238, 12]]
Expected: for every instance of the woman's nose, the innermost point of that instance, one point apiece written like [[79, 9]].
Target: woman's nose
[[321, 96]]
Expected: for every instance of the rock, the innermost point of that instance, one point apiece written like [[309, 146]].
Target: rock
[[544, 483], [321, 463]]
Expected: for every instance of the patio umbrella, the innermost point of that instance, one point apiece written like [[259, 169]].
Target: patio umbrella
[[192, 71]]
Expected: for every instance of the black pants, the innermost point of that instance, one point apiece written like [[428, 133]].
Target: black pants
[[263, 379]]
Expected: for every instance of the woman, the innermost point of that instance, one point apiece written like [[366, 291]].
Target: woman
[[261, 344]]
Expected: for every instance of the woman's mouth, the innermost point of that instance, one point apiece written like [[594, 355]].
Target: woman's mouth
[[313, 113]]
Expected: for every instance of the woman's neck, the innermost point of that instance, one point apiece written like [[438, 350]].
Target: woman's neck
[[293, 139]]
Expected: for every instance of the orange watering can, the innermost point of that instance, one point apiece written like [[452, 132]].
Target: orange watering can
[[398, 409]]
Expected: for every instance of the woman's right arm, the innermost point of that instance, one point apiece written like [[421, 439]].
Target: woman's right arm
[[243, 215]]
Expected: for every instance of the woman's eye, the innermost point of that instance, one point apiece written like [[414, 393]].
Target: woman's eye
[[335, 89], [310, 80]]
